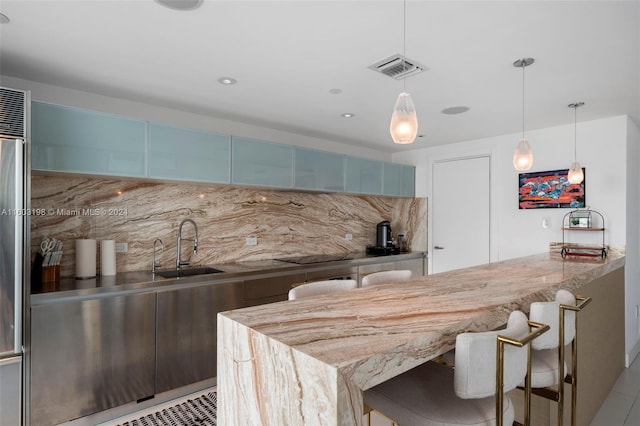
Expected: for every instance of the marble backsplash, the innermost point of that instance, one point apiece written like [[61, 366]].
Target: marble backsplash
[[137, 211]]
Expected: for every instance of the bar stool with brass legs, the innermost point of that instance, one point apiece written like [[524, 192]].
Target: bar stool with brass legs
[[548, 355], [488, 364]]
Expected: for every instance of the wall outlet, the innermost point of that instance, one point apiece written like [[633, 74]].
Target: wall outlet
[[348, 237], [251, 241], [122, 247]]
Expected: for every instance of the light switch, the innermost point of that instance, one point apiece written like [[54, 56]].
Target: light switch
[[546, 222]]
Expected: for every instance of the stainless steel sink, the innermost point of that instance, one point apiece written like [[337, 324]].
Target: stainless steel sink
[[188, 272]]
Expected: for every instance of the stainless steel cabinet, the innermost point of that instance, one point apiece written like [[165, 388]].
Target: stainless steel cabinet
[[91, 355], [260, 291], [10, 389], [186, 332]]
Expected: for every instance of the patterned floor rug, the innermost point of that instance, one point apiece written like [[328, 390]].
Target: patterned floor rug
[[198, 411]]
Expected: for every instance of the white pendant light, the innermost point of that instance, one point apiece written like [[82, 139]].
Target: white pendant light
[[404, 121], [575, 175], [523, 155]]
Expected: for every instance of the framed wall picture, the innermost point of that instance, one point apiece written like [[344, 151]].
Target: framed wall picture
[[551, 189]]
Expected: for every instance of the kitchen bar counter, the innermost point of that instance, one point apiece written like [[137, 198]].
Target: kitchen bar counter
[[306, 362], [144, 280]]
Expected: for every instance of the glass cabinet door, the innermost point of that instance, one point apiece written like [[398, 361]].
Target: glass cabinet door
[[318, 170], [409, 181], [187, 154], [261, 163], [398, 180], [77, 140], [363, 176], [392, 179]]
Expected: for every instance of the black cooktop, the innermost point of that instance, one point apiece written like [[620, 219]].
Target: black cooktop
[[382, 251], [316, 258]]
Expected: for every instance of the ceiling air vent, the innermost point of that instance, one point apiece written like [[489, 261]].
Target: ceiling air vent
[[398, 67]]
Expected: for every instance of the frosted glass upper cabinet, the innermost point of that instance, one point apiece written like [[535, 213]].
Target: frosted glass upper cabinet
[[187, 154], [392, 179], [261, 163], [408, 181], [398, 180], [76, 140], [363, 176], [318, 170]]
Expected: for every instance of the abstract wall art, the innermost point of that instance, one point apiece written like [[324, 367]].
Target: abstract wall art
[[550, 189]]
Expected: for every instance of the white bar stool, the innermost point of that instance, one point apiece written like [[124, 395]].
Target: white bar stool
[[316, 288], [488, 364], [386, 277], [548, 358]]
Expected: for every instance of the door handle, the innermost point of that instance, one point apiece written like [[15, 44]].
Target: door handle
[[438, 248]]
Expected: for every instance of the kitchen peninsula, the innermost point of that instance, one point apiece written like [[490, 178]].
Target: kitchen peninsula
[[306, 362]]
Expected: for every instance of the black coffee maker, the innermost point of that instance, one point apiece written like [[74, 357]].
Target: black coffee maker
[[383, 234], [384, 241]]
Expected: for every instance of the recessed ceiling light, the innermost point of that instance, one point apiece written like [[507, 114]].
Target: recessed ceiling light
[[335, 91], [455, 110], [4, 19], [180, 4], [348, 115], [227, 80]]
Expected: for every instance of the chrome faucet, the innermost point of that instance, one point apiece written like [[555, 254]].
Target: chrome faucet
[[179, 261], [156, 263]]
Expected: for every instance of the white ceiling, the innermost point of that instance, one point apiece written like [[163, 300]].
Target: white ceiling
[[287, 55]]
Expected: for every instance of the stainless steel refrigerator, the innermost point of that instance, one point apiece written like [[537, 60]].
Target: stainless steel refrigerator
[[14, 248]]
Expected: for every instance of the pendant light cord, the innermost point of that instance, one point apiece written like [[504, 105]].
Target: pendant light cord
[[524, 65], [404, 45], [575, 131]]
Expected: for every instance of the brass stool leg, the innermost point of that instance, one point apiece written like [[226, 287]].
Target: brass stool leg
[[573, 379], [561, 366]]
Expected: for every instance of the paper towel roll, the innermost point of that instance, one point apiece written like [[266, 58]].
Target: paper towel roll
[[107, 257], [85, 258]]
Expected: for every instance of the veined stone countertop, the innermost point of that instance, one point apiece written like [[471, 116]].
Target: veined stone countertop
[[145, 280], [321, 352]]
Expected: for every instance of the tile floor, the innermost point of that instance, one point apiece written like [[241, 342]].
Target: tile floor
[[621, 408]]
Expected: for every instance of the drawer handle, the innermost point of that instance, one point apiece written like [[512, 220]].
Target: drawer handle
[[438, 248]]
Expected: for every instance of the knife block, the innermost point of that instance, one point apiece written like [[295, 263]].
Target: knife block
[[50, 277]]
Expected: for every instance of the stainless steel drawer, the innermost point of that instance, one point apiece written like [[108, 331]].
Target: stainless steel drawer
[[344, 273], [271, 288], [187, 332], [91, 355]]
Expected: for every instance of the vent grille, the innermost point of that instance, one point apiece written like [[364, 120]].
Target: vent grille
[[398, 67], [12, 113]]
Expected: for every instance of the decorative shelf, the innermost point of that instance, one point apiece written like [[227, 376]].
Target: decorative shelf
[[582, 220]]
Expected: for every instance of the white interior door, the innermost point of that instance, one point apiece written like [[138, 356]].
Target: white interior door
[[461, 221]]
